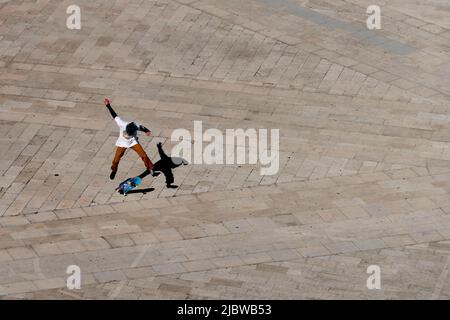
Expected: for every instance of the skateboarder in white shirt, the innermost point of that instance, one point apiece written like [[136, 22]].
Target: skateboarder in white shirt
[[128, 139]]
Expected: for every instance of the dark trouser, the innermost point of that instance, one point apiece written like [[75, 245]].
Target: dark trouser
[[120, 151]]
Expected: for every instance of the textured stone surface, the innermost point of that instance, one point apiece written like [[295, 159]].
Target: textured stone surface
[[364, 173]]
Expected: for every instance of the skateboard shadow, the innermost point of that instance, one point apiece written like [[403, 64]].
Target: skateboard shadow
[[144, 191]]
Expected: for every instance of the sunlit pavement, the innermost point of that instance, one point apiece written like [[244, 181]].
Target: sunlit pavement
[[364, 171]]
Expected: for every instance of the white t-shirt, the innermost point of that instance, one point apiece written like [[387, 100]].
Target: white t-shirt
[[122, 141]]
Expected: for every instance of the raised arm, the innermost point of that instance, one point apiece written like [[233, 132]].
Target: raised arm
[[162, 154], [111, 110]]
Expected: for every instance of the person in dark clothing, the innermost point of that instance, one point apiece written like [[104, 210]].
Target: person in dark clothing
[[165, 165], [128, 138]]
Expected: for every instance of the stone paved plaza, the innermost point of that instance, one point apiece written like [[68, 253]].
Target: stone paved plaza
[[364, 177]]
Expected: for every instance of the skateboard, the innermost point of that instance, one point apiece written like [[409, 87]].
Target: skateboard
[[128, 185]]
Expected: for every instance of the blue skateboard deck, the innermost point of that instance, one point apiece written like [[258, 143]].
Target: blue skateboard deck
[[128, 185]]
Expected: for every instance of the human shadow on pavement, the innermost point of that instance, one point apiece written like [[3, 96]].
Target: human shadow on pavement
[[165, 165]]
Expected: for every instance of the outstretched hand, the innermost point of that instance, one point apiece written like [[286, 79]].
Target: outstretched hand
[[106, 101], [148, 133]]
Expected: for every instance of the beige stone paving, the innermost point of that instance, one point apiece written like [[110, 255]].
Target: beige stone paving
[[364, 151]]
